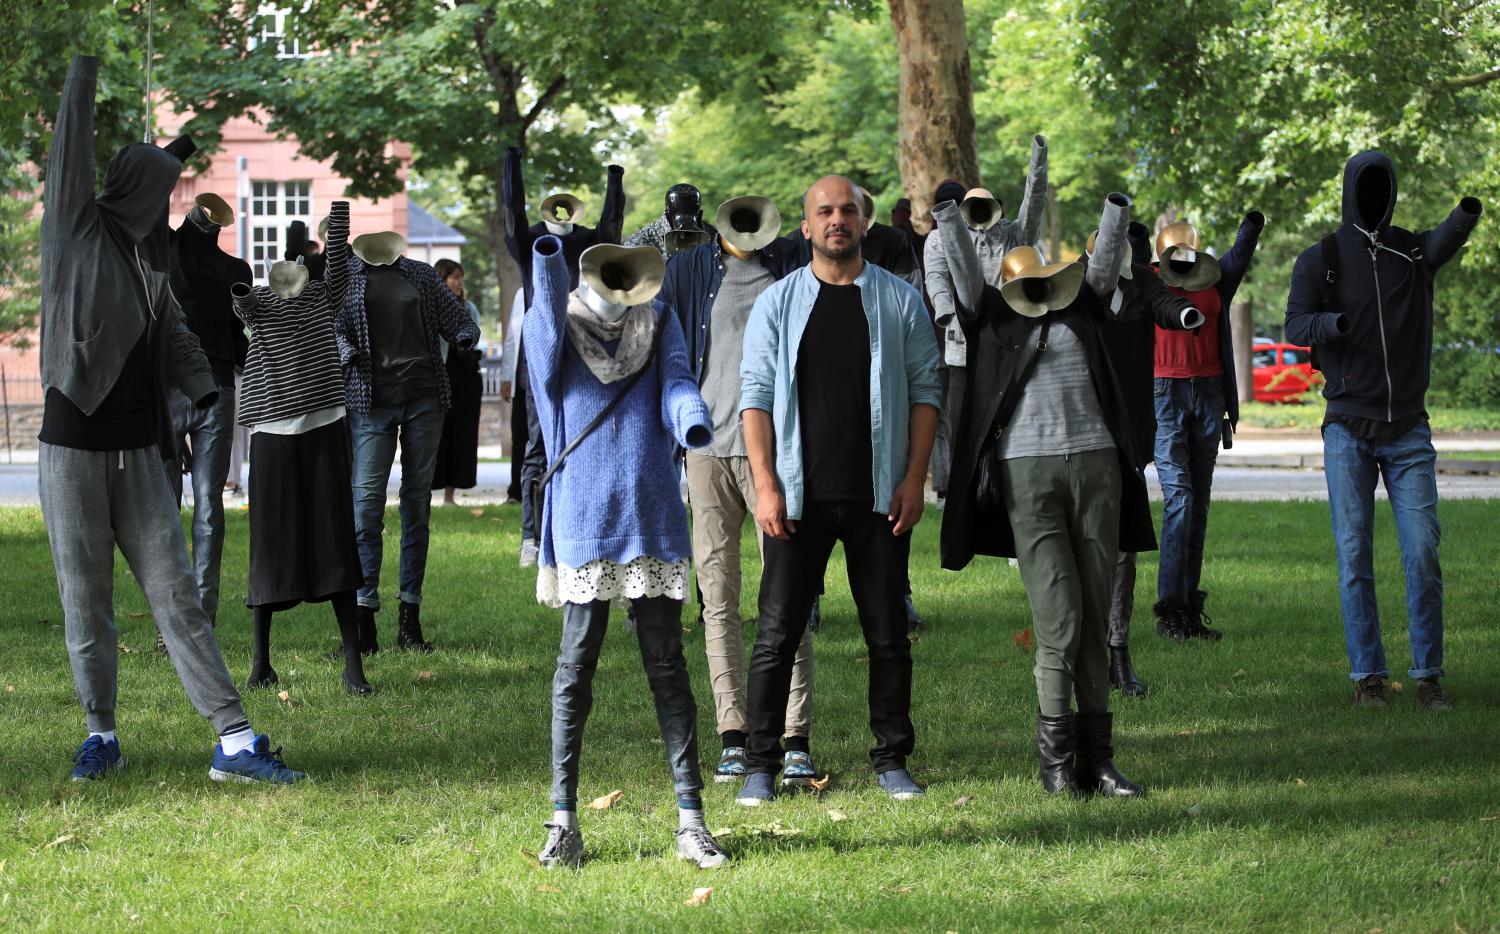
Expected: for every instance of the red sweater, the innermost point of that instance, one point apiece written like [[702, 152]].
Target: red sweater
[[1187, 354]]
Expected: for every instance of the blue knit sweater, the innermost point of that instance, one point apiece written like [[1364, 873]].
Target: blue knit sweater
[[616, 497]]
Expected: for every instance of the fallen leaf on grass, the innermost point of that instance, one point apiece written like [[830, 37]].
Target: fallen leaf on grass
[[1187, 732], [1024, 641], [1301, 783], [477, 513], [1396, 686], [136, 615], [837, 816], [65, 838], [862, 660], [125, 649], [819, 785], [10, 689], [549, 889], [699, 898], [960, 802], [530, 857], [1490, 818], [1194, 810], [1238, 674], [902, 889], [286, 698], [605, 802], [424, 676]]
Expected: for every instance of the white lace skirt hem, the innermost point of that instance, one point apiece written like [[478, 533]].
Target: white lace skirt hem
[[608, 580]]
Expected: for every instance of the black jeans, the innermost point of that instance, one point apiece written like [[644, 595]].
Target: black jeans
[[520, 433], [533, 465], [791, 578]]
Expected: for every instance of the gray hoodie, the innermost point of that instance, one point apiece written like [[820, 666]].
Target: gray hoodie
[[99, 290]]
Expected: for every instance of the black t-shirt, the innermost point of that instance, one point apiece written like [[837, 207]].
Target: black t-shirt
[[401, 362], [125, 420], [1370, 429], [833, 398]]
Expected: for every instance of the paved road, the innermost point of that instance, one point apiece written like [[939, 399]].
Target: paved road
[[18, 484]]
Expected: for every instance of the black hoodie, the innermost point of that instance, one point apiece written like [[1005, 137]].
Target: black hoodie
[[1374, 341], [201, 277], [104, 283]]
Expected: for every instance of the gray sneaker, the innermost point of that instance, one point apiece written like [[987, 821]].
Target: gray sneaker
[[698, 846], [564, 847], [899, 785], [528, 553]]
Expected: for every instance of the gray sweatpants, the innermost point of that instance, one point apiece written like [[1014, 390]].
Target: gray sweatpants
[[93, 501]]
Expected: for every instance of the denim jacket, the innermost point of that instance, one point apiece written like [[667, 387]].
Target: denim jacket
[[903, 372]]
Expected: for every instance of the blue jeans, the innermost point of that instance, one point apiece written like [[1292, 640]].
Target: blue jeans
[[210, 434], [1189, 424], [420, 426], [1408, 466]]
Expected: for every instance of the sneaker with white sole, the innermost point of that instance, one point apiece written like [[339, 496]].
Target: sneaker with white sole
[[256, 764], [698, 846], [96, 758], [899, 785], [528, 553], [797, 770], [758, 789], [732, 764], [564, 847]]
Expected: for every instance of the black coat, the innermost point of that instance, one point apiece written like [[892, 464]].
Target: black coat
[[201, 277], [1000, 344]]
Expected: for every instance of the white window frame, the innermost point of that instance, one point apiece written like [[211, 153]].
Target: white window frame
[[274, 206], [272, 20]]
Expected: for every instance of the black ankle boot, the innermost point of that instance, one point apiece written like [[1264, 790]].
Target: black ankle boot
[[368, 644], [1055, 743], [1122, 673], [1096, 770], [1197, 620], [1171, 620], [409, 629]]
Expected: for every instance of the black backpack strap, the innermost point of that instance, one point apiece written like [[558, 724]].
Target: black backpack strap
[[609, 409]]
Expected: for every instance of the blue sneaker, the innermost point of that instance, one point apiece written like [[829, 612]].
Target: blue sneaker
[[256, 764], [95, 758], [731, 764], [797, 770], [758, 789], [899, 785]]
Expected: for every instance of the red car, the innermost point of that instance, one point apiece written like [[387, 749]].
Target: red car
[[1282, 372]]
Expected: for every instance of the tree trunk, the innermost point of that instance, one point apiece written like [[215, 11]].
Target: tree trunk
[[1242, 328], [937, 106]]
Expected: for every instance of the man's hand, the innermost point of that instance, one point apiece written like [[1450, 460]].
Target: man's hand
[[907, 505], [505, 391], [770, 514]]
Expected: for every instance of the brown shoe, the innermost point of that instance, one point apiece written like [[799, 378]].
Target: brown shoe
[[1370, 692], [1431, 695]]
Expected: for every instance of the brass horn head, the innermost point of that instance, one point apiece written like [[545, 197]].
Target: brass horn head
[[1032, 287], [217, 209], [748, 223], [980, 209], [1183, 262], [562, 208], [623, 275]]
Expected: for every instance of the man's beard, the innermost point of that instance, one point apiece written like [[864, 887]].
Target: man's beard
[[839, 254]]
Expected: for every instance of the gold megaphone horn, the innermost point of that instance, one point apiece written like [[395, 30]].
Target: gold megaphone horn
[[748, 223], [562, 208], [1184, 263], [1032, 287], [623, 275], [980, 209]]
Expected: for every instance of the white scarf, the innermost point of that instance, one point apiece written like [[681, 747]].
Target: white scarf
[[636, 332]]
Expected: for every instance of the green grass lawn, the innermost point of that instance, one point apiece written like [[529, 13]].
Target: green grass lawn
[[1273, 802], [1308, 416]]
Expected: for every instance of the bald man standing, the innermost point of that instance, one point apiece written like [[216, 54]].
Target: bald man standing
[[839, 401]]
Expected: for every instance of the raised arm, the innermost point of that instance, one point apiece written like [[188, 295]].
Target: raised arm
[[1441, 242], [1034, 200], [336, 254], [964, 269], [612, 218], [69, 196], [1110, 249], [1236, 262], [545, 323]]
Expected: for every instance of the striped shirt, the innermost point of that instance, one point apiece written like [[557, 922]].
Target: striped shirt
[[293, 365]]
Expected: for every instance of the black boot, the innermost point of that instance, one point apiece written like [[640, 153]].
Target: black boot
[[1197, 620], [1055, 743], [1097, 774], [368, 645], [409, 631], [1171, 620], [1122, 673]]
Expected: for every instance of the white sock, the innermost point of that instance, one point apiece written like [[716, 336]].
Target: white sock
[[688, 817], [237, 742], [565, 818], [107, 735]]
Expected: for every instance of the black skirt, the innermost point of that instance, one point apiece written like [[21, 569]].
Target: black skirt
[[458, 451], [301, 518]]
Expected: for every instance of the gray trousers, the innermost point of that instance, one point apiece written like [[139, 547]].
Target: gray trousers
[[1122, 601], [658, 627], [210, 434], [1065, 513], [93, 501]]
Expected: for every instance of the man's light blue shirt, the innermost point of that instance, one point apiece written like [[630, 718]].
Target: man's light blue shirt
[[903, 372]]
